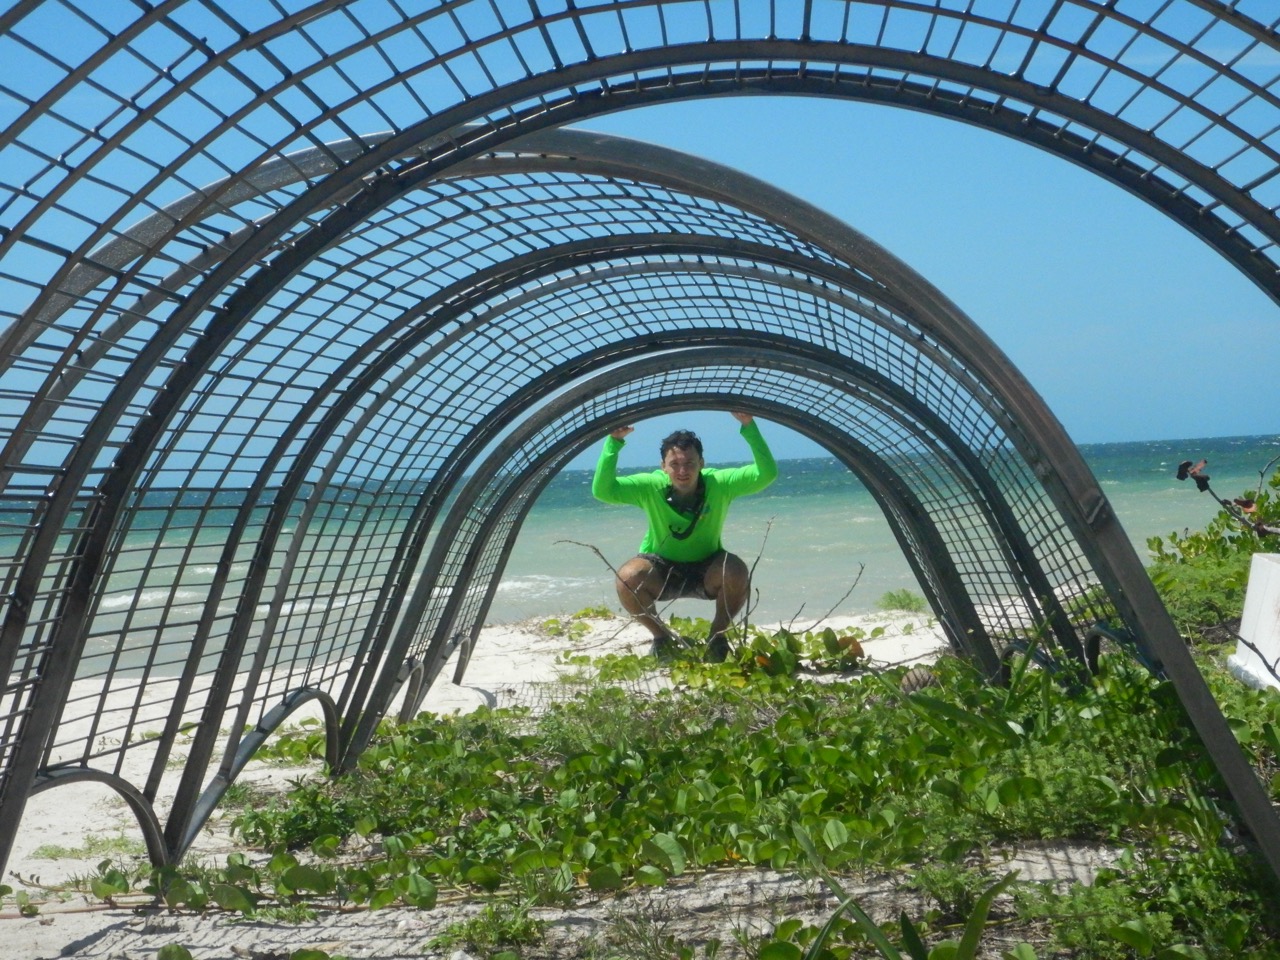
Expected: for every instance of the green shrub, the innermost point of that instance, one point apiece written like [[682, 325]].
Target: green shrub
[[1202, 575], [906, 601]]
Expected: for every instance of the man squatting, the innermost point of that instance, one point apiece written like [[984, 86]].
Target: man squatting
[[681, 555]]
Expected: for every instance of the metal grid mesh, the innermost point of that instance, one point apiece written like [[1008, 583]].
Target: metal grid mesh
[[272, 279], [887, 440]]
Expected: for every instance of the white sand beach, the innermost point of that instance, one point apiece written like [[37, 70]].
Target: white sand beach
[[64, 829]]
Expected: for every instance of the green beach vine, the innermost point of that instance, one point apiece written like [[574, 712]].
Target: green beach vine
[[748, 765]]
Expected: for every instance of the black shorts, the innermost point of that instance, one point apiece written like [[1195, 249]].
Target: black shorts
[[683, 580]]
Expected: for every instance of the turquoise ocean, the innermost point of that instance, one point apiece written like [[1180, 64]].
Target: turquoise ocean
[[816, 538], [816, 527]]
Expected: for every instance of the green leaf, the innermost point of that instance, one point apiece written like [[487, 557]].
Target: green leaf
[[1022, 951], [1134, 933], [485, 876], [869, 927], [834, 834], [957, 724], [973, 928], [532, 860], [326, 846], [236, 899], [948, 788], [109, 882], [416, 890], [308, 953], [788, 928], [604, 878], [303, 877], [173, 951], [650, 876], [383, 898], [779, 950], [990, 801], [105, 888], [911, 938], [1020, 788], [666, 851]]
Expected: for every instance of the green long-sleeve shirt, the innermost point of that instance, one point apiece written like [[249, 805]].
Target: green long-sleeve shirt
[[649, 492]]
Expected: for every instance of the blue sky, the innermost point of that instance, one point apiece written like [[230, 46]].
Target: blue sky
[[1128, 326]]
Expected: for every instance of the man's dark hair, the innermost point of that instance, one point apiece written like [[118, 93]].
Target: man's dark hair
[[682, 440]]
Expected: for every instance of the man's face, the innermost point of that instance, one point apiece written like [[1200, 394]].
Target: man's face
[[682, 465]]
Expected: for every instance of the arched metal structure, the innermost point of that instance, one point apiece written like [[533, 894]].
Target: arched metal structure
[[250, 347]]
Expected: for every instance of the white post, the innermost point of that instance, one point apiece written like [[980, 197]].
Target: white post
[[1260, 625]]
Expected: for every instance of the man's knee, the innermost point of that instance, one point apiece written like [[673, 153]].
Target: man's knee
[[728, 573], [634, 576]]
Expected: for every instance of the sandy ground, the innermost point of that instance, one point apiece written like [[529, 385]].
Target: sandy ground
[[511, 664]]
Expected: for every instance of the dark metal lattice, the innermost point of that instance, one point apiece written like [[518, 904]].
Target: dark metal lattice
[[274, 276]]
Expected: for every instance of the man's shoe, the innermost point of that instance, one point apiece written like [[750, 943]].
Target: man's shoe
[[717, 648], [664, 647]]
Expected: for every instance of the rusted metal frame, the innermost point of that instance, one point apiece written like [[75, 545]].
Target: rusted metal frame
[[411, 680], [742, 354], [218, 696], [117, 253], [1147, 612], [351, 392], [196, 148], [532, 395], [967, 469], [115, 489], [1035, 37], [896, 501], [908, 520], [109, 501], [971, 110], [1140, 181], [220, 689], [500, 277], [395, 635], [1144, 29], [410, 613], [1018, 554], [805, 52], [1228, 13], [801, 219], [17, 13], [1073, 489], [1244, 136], [380, 191], [147, 16], [252, 742], [824, 240], [1169, 199], [567, 256], [140, 805], [443, 309]]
